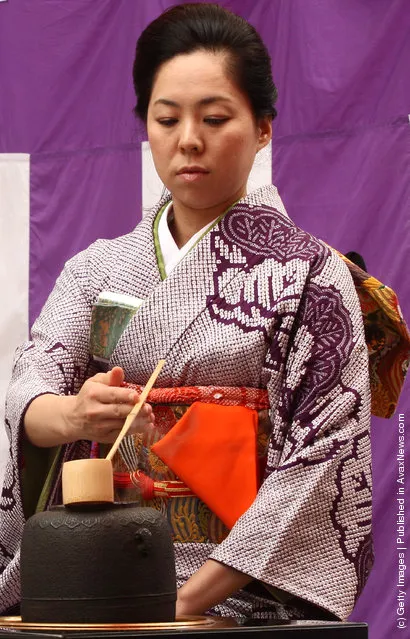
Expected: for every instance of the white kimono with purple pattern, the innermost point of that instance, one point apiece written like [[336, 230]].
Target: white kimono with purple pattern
[[257, 302]]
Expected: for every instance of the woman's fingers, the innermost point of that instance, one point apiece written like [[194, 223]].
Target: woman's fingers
[[101, 378], [103, 405], [107, 430], [116, 376], [112, 395], [107, 388], [98, 410], [143, 421]]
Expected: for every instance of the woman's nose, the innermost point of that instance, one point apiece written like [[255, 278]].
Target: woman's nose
[[190, 139]]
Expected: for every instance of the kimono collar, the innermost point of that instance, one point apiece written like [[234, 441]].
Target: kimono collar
[[170, 252]]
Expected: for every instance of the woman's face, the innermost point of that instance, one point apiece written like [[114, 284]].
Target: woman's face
[[202, 132]]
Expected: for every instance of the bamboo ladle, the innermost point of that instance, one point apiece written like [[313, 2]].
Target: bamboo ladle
[[90, 481]]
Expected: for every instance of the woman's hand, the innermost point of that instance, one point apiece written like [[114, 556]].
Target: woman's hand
[[97, 413], [99, 410], [207, 587]]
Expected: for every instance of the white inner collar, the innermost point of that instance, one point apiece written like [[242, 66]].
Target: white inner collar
[[171, 254]]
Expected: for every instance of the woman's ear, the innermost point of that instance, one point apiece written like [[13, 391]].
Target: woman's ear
[[264, 132]]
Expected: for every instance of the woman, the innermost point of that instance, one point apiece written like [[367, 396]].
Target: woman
[[232, 294]]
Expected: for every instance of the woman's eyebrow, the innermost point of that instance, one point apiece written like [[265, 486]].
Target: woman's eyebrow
[[203, 101], [214, 98]]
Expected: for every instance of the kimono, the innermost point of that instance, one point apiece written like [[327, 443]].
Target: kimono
[[258, 304]]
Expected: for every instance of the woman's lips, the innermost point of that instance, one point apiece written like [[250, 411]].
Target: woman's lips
[[192, 173], [192, 176]]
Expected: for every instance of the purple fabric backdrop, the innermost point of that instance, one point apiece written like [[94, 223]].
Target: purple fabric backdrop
[[68, 213], [341, 157]]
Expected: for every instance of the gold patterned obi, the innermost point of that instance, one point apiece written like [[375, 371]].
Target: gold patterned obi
[[141, 476]]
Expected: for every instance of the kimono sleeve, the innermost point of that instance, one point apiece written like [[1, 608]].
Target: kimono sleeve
[[55, 361], [308, 531], [57, 357]]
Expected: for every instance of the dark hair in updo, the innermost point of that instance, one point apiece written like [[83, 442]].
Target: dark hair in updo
[[186, 28]]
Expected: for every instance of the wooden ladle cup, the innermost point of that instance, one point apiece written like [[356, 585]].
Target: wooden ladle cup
[[88, 481]]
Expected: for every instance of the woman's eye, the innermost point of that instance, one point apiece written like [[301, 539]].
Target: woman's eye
[[215, 121], [167, 121]]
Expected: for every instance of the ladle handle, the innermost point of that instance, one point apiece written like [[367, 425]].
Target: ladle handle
[[132, 415]]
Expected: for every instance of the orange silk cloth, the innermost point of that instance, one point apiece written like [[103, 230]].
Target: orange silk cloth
[[214, 452]]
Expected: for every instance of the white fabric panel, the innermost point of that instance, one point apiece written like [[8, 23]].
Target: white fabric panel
[[14, 269], [152, 187]]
